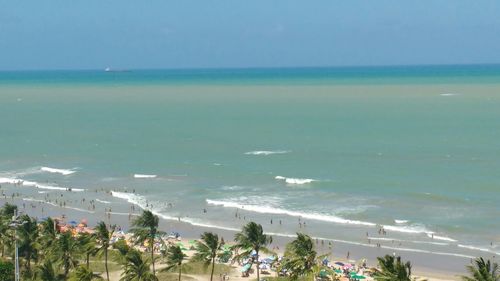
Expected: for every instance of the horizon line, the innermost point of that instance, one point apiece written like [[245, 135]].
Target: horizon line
[[252, 67]]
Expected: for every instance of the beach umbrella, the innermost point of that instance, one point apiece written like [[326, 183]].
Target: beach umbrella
[[358, 277], [246, 267], [264, 266], [339, 263], [338, 271]]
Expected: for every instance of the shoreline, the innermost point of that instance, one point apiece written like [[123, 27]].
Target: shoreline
[[431, 266]]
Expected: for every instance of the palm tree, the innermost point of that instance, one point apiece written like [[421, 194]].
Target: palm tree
[[87, 244], [103, 235], [6, 214], [6, 235], [46, 272], [252, 238], [82, 273], [28, 240], [393, 269], [483, 270], [300, 256], [47, 237], [135, 268], [145, 228], [208, 249], [175, 257], [66, 251]]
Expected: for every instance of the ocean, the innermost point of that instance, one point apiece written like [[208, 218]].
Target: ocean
[[338, 153]]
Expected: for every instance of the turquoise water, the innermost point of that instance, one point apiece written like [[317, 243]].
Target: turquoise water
[[415, 149]]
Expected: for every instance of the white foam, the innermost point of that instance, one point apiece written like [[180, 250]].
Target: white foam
[[448, 94], [272, 210], [131, 198], [143, 176], [50, 187], [400, 221], [407, 229], [103, 201], [37, 185], [267, 152], [408, 241], [64, 172], [10, 181], [474, 248], [431, 235], [78, 209], [40, 201], [295, 180]]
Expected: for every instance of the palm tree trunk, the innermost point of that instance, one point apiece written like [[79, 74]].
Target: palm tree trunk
[[213, 267], [106, 262], [180, 272], [257, 256], [88, 260], [152, 240]]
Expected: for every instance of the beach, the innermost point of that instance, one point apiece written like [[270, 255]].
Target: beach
[[430, 267], [374, 161]]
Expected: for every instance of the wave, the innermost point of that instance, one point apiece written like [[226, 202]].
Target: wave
[[102, 201], [143, 176], [277, 211], [295, 180], [431, 235], [267, 152], [474, 248], [40, 201], [64, 172], [10, 181], [400, 221], [414, 229], [408, 241], [131, 198], [448, 94], [50, 187], [37, 185], [78, 209]]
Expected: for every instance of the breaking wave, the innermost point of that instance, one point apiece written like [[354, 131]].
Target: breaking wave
[[64, 172], [143, 176], [295, 180], [267, 152]]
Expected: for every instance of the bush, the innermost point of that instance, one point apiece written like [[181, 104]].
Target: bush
[[6, 271]]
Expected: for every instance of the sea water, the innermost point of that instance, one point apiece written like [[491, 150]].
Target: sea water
[[338, 153]]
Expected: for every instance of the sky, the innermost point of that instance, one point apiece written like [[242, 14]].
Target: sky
[[94, 34]]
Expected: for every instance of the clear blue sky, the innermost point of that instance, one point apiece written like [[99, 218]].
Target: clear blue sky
[[62, 34]]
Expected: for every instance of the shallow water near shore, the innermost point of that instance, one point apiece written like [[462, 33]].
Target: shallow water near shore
[[339, 161]]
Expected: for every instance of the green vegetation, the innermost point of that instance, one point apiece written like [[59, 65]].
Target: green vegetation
[[6, 271], [482, 270], [392, 268]]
